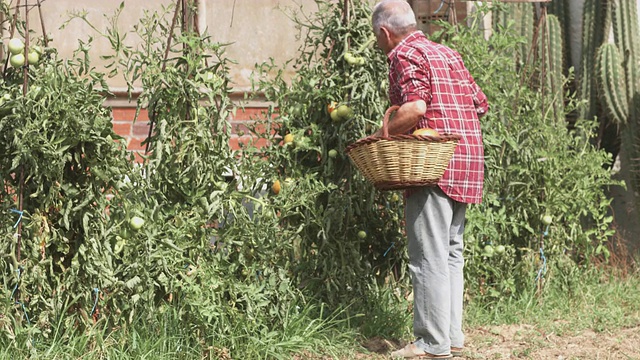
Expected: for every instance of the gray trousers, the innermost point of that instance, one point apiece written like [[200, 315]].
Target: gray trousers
[[435, 226]]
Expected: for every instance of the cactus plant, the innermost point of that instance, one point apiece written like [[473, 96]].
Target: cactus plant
[[553, 65], [522, 15], [624, 14], [614, 94], [549, 52], [560, 8], [593, 35], [611, 77]]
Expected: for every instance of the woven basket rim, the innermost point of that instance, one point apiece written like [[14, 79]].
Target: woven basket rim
[[405, 137]]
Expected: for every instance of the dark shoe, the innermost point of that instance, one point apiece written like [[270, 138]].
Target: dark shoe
[[411, 351], [456, 352]]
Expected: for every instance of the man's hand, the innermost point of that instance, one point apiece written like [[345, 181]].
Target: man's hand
[[406, 118]]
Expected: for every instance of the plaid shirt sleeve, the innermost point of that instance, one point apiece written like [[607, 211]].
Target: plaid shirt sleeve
[[479, 98], [411, 77]]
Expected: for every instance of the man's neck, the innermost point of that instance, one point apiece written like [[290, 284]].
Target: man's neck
[[397, 39]]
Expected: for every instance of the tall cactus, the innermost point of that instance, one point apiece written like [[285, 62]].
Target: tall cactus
[[624, 14], [593, 35], [614, 93], [560, 8], [549, 50], [523, 17], [612, 80], [553, 65]]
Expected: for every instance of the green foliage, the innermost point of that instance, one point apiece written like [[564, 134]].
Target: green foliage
[[59, 136], [244, 268], [336, 264], [535, 166], [212, 248]]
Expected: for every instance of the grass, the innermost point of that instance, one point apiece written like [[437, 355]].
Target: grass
[[585, 299], [167, 336]]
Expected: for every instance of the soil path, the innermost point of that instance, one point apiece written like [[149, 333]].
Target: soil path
[[527, 342]]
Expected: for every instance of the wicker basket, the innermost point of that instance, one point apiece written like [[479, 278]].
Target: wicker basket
[[402, 161]]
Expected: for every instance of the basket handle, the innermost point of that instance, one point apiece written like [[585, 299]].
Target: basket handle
[[385, 121]]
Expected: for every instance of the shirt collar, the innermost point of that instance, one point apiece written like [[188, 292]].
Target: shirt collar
[[407, 39]]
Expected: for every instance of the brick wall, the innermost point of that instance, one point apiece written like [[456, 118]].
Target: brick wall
[[136, 132]]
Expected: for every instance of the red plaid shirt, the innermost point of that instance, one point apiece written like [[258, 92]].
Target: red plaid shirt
[[420, 69]]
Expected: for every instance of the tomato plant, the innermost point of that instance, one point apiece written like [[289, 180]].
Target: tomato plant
[[58, 137], [351, 235]]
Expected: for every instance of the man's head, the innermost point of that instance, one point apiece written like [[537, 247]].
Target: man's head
[[392, 21]]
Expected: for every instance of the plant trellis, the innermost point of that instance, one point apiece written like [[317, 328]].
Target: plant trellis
[[181, 10], [27, 6]]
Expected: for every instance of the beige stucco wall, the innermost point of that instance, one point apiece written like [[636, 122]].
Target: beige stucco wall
[[257, 29]]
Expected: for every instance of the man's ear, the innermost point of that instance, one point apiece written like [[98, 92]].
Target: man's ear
[[385, 33]]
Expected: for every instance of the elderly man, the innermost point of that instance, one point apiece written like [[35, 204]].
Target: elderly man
[[434, 89]]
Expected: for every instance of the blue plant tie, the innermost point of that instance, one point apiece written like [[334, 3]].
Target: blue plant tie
[[96, 291], [389, 249], [19, 218], [15, 288], [25, 313], [543, 268]]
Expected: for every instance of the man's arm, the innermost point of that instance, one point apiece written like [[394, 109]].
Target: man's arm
[[406, 118], [413, 76], [479, 98]]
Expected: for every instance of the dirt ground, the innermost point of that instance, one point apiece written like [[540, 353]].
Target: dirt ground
[[526, 342]]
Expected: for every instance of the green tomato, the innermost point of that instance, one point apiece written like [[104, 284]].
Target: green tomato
[[16, 46], [33, 58], [17, 60], [136, 222], [395, 197], [334, 116], [500, 249], [333, 153], [297, 110], [119, 245], [362, 234], [547, 219], [350, 59], [488, 250], [344, 112]]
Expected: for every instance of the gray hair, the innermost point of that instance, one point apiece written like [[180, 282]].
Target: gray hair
[[394, 15]]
